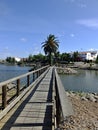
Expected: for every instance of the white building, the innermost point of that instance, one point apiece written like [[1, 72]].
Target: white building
[[17, 59], [88, 55]]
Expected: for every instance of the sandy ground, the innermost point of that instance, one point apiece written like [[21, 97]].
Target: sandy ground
[[85, 115]]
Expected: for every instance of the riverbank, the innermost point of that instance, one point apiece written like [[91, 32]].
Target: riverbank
[[85, 116], [66, 70], [85, 66], [71, 69]]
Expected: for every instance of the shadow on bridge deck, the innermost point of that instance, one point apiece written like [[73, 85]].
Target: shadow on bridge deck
[[36, 111]]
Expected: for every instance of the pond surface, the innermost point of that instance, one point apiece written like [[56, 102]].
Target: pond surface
[[7, 72], [85, 80]]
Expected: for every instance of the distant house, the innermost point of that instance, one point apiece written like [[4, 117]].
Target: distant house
[[24, 59], [17, 59], [88, 55]]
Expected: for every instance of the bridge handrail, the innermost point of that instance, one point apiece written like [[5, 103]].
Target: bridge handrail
[[22, 76], [18, 87], [63, 104], [25, 93]]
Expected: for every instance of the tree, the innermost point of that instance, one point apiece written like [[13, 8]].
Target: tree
[[50, 47], [57, 56], [65, 57], [11, 60], [76, 56], [30, 58]]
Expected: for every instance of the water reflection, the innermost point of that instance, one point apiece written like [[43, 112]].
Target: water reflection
[[85, 80]]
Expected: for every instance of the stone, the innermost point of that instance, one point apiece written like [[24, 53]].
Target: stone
[[84, 98], [91, 97]]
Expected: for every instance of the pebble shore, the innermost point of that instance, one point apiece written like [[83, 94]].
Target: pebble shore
[[85, 116], [66, 70]]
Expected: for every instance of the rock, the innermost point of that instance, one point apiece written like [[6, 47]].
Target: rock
[[67, 93], [84, 98], [66, 70], [72, 94], [96, 97], [91, 97], [86, 112], [11, 85], [95, 124]]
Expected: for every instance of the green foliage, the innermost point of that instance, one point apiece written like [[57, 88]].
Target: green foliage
[[75, 56], [10, 60], [50, 47], [36, 58], [20, 63], [65, 57]]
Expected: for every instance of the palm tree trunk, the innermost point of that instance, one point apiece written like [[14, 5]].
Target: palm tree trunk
[[50, 59]]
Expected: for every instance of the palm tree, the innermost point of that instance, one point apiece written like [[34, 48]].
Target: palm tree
[[50, 46]]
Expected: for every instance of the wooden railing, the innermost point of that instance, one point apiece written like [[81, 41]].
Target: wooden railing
[[62, 103], [12, 88], [15, 88]]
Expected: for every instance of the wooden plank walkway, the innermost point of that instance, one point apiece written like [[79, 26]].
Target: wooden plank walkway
[[36, 111]]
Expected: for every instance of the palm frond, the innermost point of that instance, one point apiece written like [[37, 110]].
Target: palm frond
[[51, 44]]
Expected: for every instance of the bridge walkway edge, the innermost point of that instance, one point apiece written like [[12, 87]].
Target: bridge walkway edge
[[36, 111]]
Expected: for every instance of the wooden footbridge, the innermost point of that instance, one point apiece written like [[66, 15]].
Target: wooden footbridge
[[34, 101]]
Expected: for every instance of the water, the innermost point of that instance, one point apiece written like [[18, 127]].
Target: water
[[85, 80], [7, 72]]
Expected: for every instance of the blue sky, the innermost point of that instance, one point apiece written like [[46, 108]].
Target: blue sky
[[25, 24]]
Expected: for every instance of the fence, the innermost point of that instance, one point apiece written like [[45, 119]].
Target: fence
[[12, 88], [63, 104]]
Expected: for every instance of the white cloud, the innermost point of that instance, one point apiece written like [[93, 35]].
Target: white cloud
[[92, 49], [93, 23], [23, 39], [72, 35], [77, 3], [82, 5]]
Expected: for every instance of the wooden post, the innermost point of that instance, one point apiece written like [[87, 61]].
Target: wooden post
[[33, 76], [18, 87], [28, 80], [37, 74], [40, 72], [4, 96], [57, 104]]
